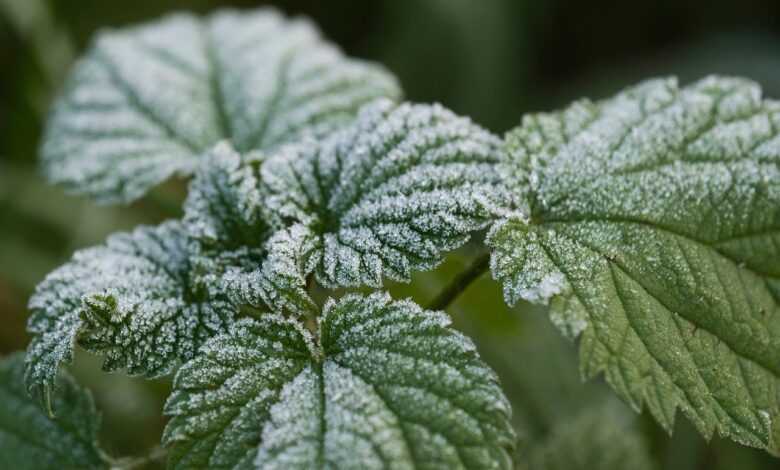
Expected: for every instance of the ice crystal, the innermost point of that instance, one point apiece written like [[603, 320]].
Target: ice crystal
[[654, 219], [31, 440], [129, 300], [385, 384], [146, 102], [389, 194]]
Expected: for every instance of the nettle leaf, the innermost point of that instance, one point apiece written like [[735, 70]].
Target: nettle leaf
[[30, 440], [389, 194], [235, 248], [652, 228], [386, 384], [147, 101], [129, 300]]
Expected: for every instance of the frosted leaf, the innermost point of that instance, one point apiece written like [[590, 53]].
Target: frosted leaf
[[386, 385], [280, 282], [599, 437], [389, 194], [227, 220], [31, 440], [651, 226], [147, 101], [130, 301]]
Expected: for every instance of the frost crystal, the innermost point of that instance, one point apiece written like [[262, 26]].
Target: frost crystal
[[386, 385], [130, 301], [654, 219], [147, 101], [389, 194], [31, 440]]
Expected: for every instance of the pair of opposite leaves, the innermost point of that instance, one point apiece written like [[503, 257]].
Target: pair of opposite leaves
[[648, 221]]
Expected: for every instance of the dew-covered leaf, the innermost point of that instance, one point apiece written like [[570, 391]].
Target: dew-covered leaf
[[31, 440], [147, 101], [390, 193], [651, 226], [130, 300], [387, 384]]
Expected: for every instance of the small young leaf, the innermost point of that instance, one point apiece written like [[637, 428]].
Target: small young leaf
[[226, 217], [147, 101], [387, 384], [651, 226], [389, 194], [31, 440], [129, 300]]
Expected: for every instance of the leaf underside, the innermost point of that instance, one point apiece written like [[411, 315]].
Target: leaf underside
[[651, 226], [387, 385], [30, 440], [129, 300], [147, 101]]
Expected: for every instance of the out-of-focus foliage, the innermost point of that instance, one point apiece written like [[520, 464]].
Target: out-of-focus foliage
[[491, 60]]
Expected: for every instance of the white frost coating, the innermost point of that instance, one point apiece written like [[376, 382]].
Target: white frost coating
[[146, 102], [389, 194], [226, 221], [653, 216], [129, 301], [550, 285], [280, 283], [389, 386]]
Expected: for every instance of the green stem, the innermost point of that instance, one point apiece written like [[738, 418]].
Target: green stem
[[461, 282], [131, 463]]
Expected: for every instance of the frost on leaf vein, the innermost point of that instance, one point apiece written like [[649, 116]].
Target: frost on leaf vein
[[389, 194]]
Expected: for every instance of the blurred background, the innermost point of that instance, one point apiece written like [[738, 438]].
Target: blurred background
[[492, 60]]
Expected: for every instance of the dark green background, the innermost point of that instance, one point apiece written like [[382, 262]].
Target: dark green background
[[490, 59]]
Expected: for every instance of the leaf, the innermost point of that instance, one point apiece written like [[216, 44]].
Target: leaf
[[235, 249], [389, 194], [599, 437], [651, 228], [30, 440], [386, 384], [129, 300], [147, 101]]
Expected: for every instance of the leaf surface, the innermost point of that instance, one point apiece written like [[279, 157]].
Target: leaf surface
[[389, 194], [146, 102], [650, 226], [386, 385], [129, 300], [30, 440]]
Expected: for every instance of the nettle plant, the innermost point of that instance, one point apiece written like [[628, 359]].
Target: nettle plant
[[648, 223]]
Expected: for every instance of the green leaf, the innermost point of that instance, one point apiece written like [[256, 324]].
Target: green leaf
[[147, 101], [600, 437], [651, 227], [390, 194], [30, 440], [235, 249], [129, 300], [385, 384]]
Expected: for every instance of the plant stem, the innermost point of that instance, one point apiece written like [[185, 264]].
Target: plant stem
[[461, 282], [131, 463]]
